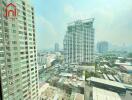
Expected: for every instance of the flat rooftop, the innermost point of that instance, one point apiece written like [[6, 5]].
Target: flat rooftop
[[82, 21], [79, 96], [101, 94], [53, 93], [129, 68], [76, 96], [107, 82], [88, 68], [66, 74]]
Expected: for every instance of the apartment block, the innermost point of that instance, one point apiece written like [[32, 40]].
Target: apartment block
[[18, 65], [79, 42]]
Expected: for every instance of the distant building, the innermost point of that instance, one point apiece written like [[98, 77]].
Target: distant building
[[41, 58], [102, 47], [79, 42], [56, 47]]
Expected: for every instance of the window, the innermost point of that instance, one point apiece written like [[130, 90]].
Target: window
[[1, 54], [1, 48]]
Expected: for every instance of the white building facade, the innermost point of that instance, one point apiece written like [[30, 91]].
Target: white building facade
[[18, 65], [79, 42]]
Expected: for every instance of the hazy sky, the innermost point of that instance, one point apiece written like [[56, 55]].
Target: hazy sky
[[113, 20]]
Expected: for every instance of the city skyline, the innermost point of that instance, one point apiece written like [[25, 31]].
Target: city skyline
[[112, 20], [65, 50]]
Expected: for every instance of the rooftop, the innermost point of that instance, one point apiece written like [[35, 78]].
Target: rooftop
[[53, 93], [79, 96], [129, 68], [108, 82], [66, 74], [82, 21], [101, 94], [76, 96]]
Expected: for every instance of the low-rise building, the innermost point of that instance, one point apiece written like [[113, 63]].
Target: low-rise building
[[53, 93], [107, 84], [76, 96], [102, 94]]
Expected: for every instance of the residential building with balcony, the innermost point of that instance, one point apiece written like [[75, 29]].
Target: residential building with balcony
[[18, 65], [79, 42]]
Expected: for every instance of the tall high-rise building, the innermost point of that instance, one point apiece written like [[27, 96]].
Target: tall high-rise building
[[79, 42], [56, 47], [102, 47], [18, 67]]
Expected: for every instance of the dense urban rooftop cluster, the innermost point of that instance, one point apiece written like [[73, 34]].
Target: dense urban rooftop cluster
[[76, 72]]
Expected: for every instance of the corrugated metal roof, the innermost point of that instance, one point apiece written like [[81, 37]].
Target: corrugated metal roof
[[108, 82]]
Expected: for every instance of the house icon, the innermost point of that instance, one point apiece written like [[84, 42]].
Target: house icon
[[10, 10]]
